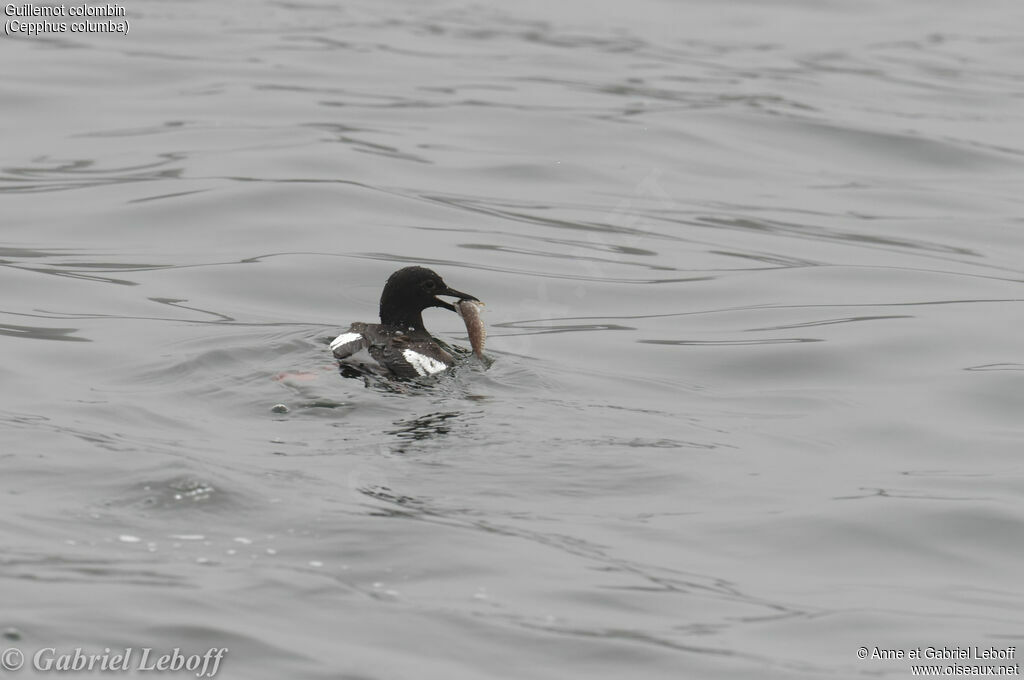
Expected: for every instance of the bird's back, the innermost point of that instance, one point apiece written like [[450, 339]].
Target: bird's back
[[380, 350]]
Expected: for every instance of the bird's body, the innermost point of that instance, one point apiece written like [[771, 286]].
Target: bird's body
[[400, 346], [375, 348]]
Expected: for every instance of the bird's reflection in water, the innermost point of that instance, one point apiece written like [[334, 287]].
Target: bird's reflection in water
[[425, 427], [379, 483]]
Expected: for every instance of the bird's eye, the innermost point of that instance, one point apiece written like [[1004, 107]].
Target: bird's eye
[[429, 285]]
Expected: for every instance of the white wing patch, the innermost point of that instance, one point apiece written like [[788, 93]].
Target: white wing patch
[[424, 365], [344, 339]]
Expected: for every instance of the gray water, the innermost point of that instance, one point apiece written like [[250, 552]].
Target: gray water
[[753, 274]]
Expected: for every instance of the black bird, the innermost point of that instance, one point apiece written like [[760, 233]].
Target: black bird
[[400, 345]]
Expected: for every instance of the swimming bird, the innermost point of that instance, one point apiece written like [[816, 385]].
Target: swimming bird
[[400, 346]]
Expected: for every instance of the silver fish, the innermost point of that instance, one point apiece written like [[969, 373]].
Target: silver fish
[[469, 310]]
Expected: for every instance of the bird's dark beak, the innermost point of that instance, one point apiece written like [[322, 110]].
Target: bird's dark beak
[[451, 292]]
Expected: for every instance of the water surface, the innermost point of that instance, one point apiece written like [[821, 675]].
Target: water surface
[[753, 284]]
